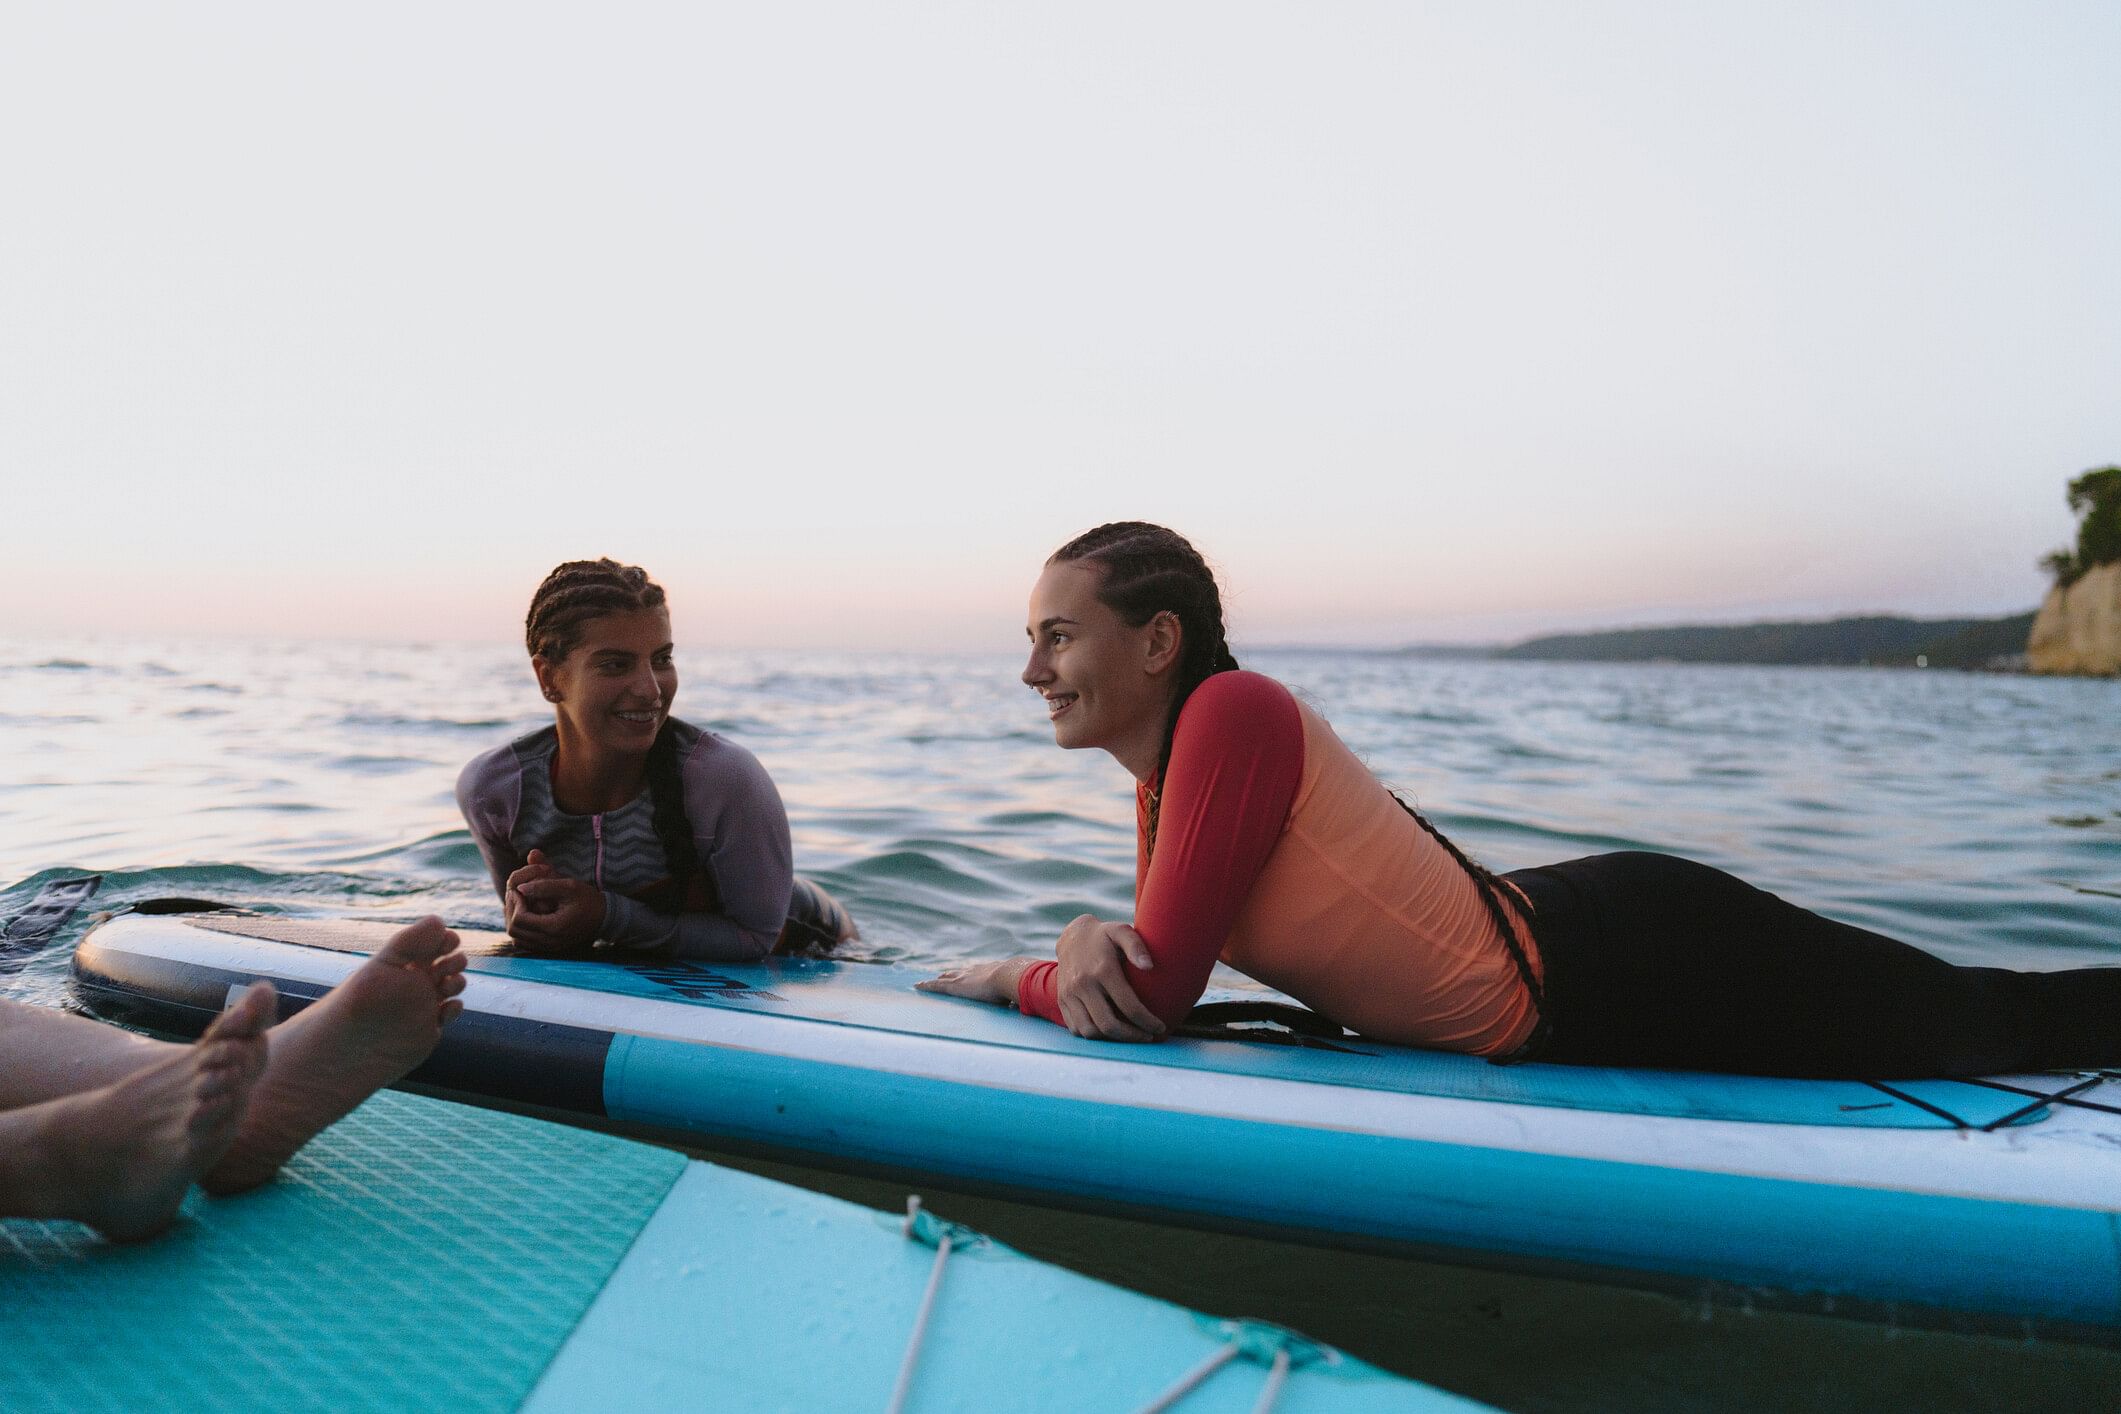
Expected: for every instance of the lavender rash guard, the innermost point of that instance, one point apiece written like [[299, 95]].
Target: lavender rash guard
[[739, 830]]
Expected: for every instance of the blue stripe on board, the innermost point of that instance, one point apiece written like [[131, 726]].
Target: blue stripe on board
[[2011, 1259], [882, 998]]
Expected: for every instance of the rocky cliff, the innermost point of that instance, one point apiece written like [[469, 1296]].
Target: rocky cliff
[[2078, 629]]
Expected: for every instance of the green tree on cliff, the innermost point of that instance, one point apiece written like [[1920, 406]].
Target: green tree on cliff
[[2096, 498]]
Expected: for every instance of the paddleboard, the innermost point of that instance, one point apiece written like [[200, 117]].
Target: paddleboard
[[1997, 1197], [422, 1255]]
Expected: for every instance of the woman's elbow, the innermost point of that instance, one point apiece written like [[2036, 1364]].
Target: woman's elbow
[[1172, 1015]]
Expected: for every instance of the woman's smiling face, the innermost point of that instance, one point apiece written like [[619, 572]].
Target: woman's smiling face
[[613, 689], [1106, 682]]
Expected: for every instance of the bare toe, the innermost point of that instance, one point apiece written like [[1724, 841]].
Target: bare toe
[[247, 1015], [419, 945]]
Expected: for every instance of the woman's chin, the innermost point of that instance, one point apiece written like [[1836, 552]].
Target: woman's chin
[[629, 736]]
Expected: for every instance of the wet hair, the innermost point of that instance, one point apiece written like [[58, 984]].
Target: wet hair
[[1148, 570], [572, 595]]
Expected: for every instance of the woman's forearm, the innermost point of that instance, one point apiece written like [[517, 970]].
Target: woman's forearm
[[632, 926]]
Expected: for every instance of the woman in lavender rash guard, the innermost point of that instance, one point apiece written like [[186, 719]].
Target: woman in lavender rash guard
[[620, 829], [1264, 842]]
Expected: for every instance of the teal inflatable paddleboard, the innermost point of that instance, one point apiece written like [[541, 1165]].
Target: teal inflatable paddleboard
[[1999, 1196], [422, 1255]]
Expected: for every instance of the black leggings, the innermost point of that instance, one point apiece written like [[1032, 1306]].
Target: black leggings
[[1657, 961], [817, 922]]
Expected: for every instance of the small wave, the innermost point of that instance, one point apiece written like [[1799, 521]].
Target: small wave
[[278, 807], [1021, 819], [64, 665], [46, 719], [326, 892], [969, 852], [908, 866], [196, 712], [1576, 841], [871, 912], [1066, 871], [157, 670], [394, 722], [379, 765], [740, 726], [869, 821], [1429, 714], [1520, 751], [451, 852], [223, 687]]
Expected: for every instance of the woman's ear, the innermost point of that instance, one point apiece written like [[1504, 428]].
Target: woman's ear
[[1167, 638], [547, 679]]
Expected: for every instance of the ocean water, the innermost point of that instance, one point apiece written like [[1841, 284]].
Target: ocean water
[[1977, 816]]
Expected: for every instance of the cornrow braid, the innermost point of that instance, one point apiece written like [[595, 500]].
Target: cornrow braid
[[578, 591], [1490, 889], [572, 595], [1149, 570]]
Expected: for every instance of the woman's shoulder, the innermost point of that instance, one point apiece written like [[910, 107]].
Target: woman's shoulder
[[712, 762], [490, 787], [505, 762], [1238, 714], [1233, 696]]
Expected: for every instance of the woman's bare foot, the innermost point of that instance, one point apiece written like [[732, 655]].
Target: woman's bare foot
[[121, 1158], [364, 1034]]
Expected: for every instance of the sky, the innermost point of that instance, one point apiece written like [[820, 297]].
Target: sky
[[1427, 322]]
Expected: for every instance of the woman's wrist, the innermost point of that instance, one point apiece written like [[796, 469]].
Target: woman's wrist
[[1009, 976]]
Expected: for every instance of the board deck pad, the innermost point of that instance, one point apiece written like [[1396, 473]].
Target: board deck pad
[[881, 997], [422, 1255]]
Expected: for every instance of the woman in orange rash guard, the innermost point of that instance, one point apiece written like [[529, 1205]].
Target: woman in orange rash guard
[[1264, 842]]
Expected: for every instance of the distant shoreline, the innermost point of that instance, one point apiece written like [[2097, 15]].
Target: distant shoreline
[[1856, 641]]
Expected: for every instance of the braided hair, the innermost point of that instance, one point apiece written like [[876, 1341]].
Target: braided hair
[[572, 595], [1150, 570], [1490, 889]]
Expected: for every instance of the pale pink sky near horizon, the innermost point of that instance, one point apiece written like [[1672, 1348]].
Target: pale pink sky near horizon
[[1427, 322]]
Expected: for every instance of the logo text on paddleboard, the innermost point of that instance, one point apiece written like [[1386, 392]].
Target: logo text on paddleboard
[[697, 983]]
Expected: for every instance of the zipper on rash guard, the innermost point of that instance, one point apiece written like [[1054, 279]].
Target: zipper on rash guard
[[596, 828]]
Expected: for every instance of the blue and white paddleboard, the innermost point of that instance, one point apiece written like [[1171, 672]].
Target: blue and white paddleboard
[[2000, 1197], [425, 1256]]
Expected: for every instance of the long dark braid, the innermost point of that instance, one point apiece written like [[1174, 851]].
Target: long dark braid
[[572, 595], [1490, 894], [1149, 570]]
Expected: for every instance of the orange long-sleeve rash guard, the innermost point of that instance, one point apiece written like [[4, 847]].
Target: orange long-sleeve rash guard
[[1280, 853]]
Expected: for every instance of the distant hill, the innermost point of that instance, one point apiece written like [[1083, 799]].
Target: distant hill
[[1873, 639]]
